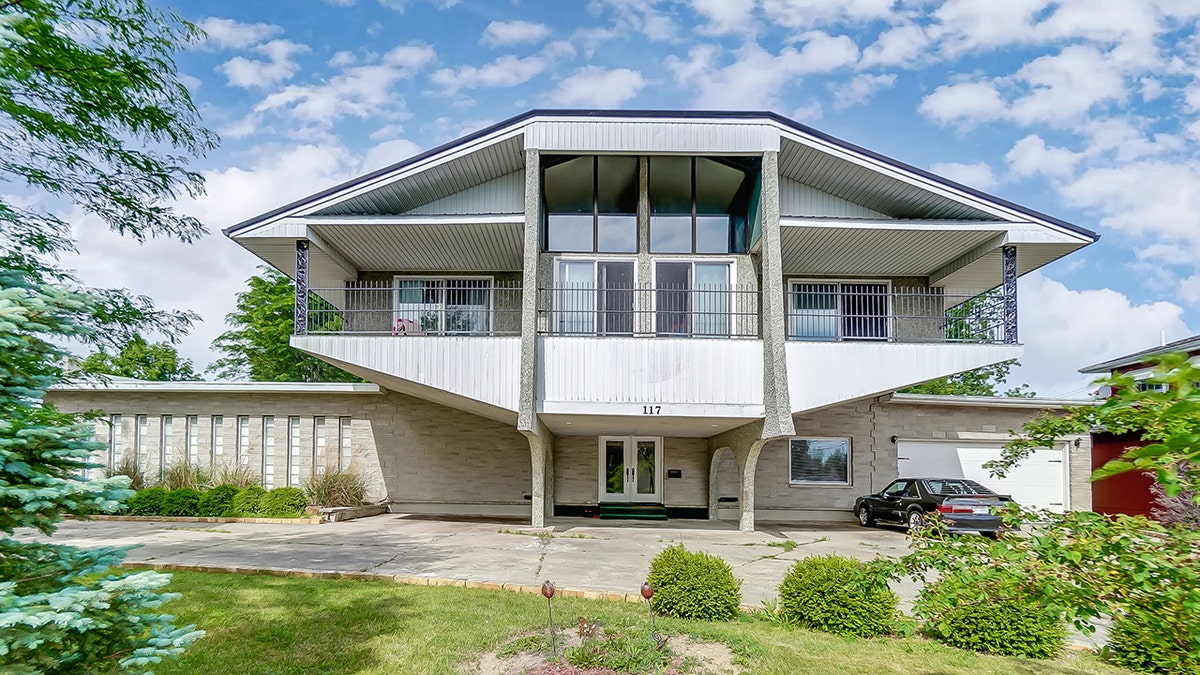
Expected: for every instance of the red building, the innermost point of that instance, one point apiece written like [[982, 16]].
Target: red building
[[1128, 493]]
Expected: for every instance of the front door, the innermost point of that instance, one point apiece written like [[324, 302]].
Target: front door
[[631, 469]]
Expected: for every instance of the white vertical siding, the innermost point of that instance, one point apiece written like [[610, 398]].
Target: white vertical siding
[[505, 194], [643, 370], [642, 136], [798, 199]]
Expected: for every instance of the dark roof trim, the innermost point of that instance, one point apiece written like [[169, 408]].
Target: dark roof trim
[[1187, 344], [639, 114]]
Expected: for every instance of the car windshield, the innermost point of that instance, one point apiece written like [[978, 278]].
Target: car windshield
[[956, 486]]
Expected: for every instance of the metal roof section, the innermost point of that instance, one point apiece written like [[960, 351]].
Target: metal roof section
[[1187, 344], [131, 385], [989, 401], [826, 163]]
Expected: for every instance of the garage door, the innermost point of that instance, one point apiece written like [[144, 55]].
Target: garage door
[[1038, 482]]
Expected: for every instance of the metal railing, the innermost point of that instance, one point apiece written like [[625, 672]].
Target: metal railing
[[416, 306], [818, 311], [701, 311]]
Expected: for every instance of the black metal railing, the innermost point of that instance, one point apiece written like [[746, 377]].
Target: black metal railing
[[820, 311], [416, 306], [700, 311]]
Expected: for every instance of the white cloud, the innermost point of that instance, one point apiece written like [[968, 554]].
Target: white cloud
[[898, 46], [978, 175], [230, 34], [725, 16], [638, 16], [278, 66], [505, 33], [506, 71], [1147, 197], [599, 87], [342, 59], [388, 153], [1031, 156], [965, 103], [860, 89], [1064, 86], [1064, 330], [807, 13]]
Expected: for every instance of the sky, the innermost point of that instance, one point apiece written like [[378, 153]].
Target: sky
[[1088, 110]]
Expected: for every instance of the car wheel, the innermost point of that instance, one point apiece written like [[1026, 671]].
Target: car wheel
[[916, 520], [991, 535], [864, 516]]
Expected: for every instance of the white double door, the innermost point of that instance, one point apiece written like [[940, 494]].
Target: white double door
[[630, 469]]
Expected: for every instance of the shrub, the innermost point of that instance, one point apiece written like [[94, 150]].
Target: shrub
[[245, 503], [217, 501], [181, 502], [284, 502], [148, 502], [238, 476], [128, 466], [831, 593], [185, 475], [694, 585], [1011, 626], [336, 488], [1138, 642]]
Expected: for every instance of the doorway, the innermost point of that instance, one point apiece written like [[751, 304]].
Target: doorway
[[630, 469]]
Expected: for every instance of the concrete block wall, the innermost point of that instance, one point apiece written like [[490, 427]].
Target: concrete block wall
[[577, 470]]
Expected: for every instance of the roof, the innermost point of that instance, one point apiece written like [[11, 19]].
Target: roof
[[1187, 344], [775, 118], [130, 385], [988, 401]]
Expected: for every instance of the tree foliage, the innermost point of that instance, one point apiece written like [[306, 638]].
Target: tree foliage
[[985, 381], [257, 345], [94, 118], [158, 361]]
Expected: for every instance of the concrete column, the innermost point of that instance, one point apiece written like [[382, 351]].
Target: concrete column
[[526, 402], [776, 402], [541, 456], [714, 470], [747, 461], [643, 302]]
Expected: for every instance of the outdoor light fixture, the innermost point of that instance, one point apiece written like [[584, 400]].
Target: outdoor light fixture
[[548, 593], [648, 594], [894, 439]]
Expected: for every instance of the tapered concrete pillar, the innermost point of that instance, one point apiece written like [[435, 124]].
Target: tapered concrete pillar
[[746, 443], [777, 404], [541, 459], [526, 401]]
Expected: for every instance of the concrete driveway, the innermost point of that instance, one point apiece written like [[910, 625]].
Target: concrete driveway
[[578, 553]]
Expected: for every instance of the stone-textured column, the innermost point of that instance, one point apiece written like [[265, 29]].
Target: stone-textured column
[[643, 301], [301, 287], [541, 457], [716, 456], [526, 402], [776, 401], [746, 443], [1009, 255]]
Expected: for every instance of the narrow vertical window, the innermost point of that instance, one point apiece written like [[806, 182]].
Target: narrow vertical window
[[141, 433], [193, 439], [318, 446], [165, 451], [218, 437], [268, 458], [114, 440], [345, 448], [293, 452], [242, 454]]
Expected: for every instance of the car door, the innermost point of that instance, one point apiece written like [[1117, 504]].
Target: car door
[[891, 503]]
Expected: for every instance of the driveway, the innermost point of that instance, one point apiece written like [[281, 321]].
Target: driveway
[[579, 553]]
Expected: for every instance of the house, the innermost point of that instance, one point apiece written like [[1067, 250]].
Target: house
[[1129, 492], [592, 312]]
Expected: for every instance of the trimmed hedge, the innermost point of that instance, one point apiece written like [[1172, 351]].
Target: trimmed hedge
[[147, 502], [820, 592], [181, 502], [694, 585], [282, 502], [217, 501], [245, 502]]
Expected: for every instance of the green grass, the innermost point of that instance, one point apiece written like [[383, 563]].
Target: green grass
[[264, 624]]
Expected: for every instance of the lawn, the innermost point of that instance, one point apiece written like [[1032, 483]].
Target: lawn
[[264, 624]]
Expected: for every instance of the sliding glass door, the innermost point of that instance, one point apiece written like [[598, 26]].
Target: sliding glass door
[[692, 298], [594, 297]]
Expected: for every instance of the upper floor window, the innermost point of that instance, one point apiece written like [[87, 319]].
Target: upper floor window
[[591, 204], [698, 205]]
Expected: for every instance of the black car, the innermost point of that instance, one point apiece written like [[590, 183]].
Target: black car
[[964, 505]]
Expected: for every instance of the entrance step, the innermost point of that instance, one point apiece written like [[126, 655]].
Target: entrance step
[[634, 511]]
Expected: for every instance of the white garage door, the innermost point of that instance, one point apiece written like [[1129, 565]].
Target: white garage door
[[1038, 482]]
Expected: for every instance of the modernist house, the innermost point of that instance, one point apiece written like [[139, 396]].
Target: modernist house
[[1129, 492], [578, 312]]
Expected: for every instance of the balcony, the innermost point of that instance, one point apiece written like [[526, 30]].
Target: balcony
[[453, 306], [820, 311], [700, 311]]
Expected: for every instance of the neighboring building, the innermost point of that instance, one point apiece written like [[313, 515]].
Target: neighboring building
[[575, 310], [1129, 492]]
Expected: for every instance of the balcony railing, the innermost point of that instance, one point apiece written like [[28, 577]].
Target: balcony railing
[[451, 306], [698, 311], [819, 311]]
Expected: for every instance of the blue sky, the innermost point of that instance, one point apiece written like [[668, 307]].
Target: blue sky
[[1086, 109]]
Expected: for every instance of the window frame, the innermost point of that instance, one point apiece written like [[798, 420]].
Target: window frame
[[491, 304], [730, 282], [888, 317], [595, 260], [545, 212], [747, 173], [295, 433], [823, 483], [241, 455], [345, 442], [192, 439], [268, 444]]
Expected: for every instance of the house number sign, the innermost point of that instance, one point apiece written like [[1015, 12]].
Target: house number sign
[[652, 410]]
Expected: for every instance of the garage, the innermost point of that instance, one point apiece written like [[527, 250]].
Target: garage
[[1038, 482]]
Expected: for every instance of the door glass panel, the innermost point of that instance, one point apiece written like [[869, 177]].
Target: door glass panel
[[711, 293], [615, 297], [673, 297], [467, 302], [645, 467], [419, 305], [614, 467], [814, 313], [576, 301]]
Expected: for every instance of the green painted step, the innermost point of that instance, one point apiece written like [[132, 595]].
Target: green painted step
[[634, 511]]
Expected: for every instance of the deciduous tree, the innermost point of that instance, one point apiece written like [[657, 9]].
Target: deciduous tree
[[158, 361]]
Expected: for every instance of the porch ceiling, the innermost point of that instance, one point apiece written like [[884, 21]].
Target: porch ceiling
[[637, 425], [430, 246], [896, 252]]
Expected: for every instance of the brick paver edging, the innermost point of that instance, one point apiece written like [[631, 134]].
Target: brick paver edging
[[307, 520], [400, 579]]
